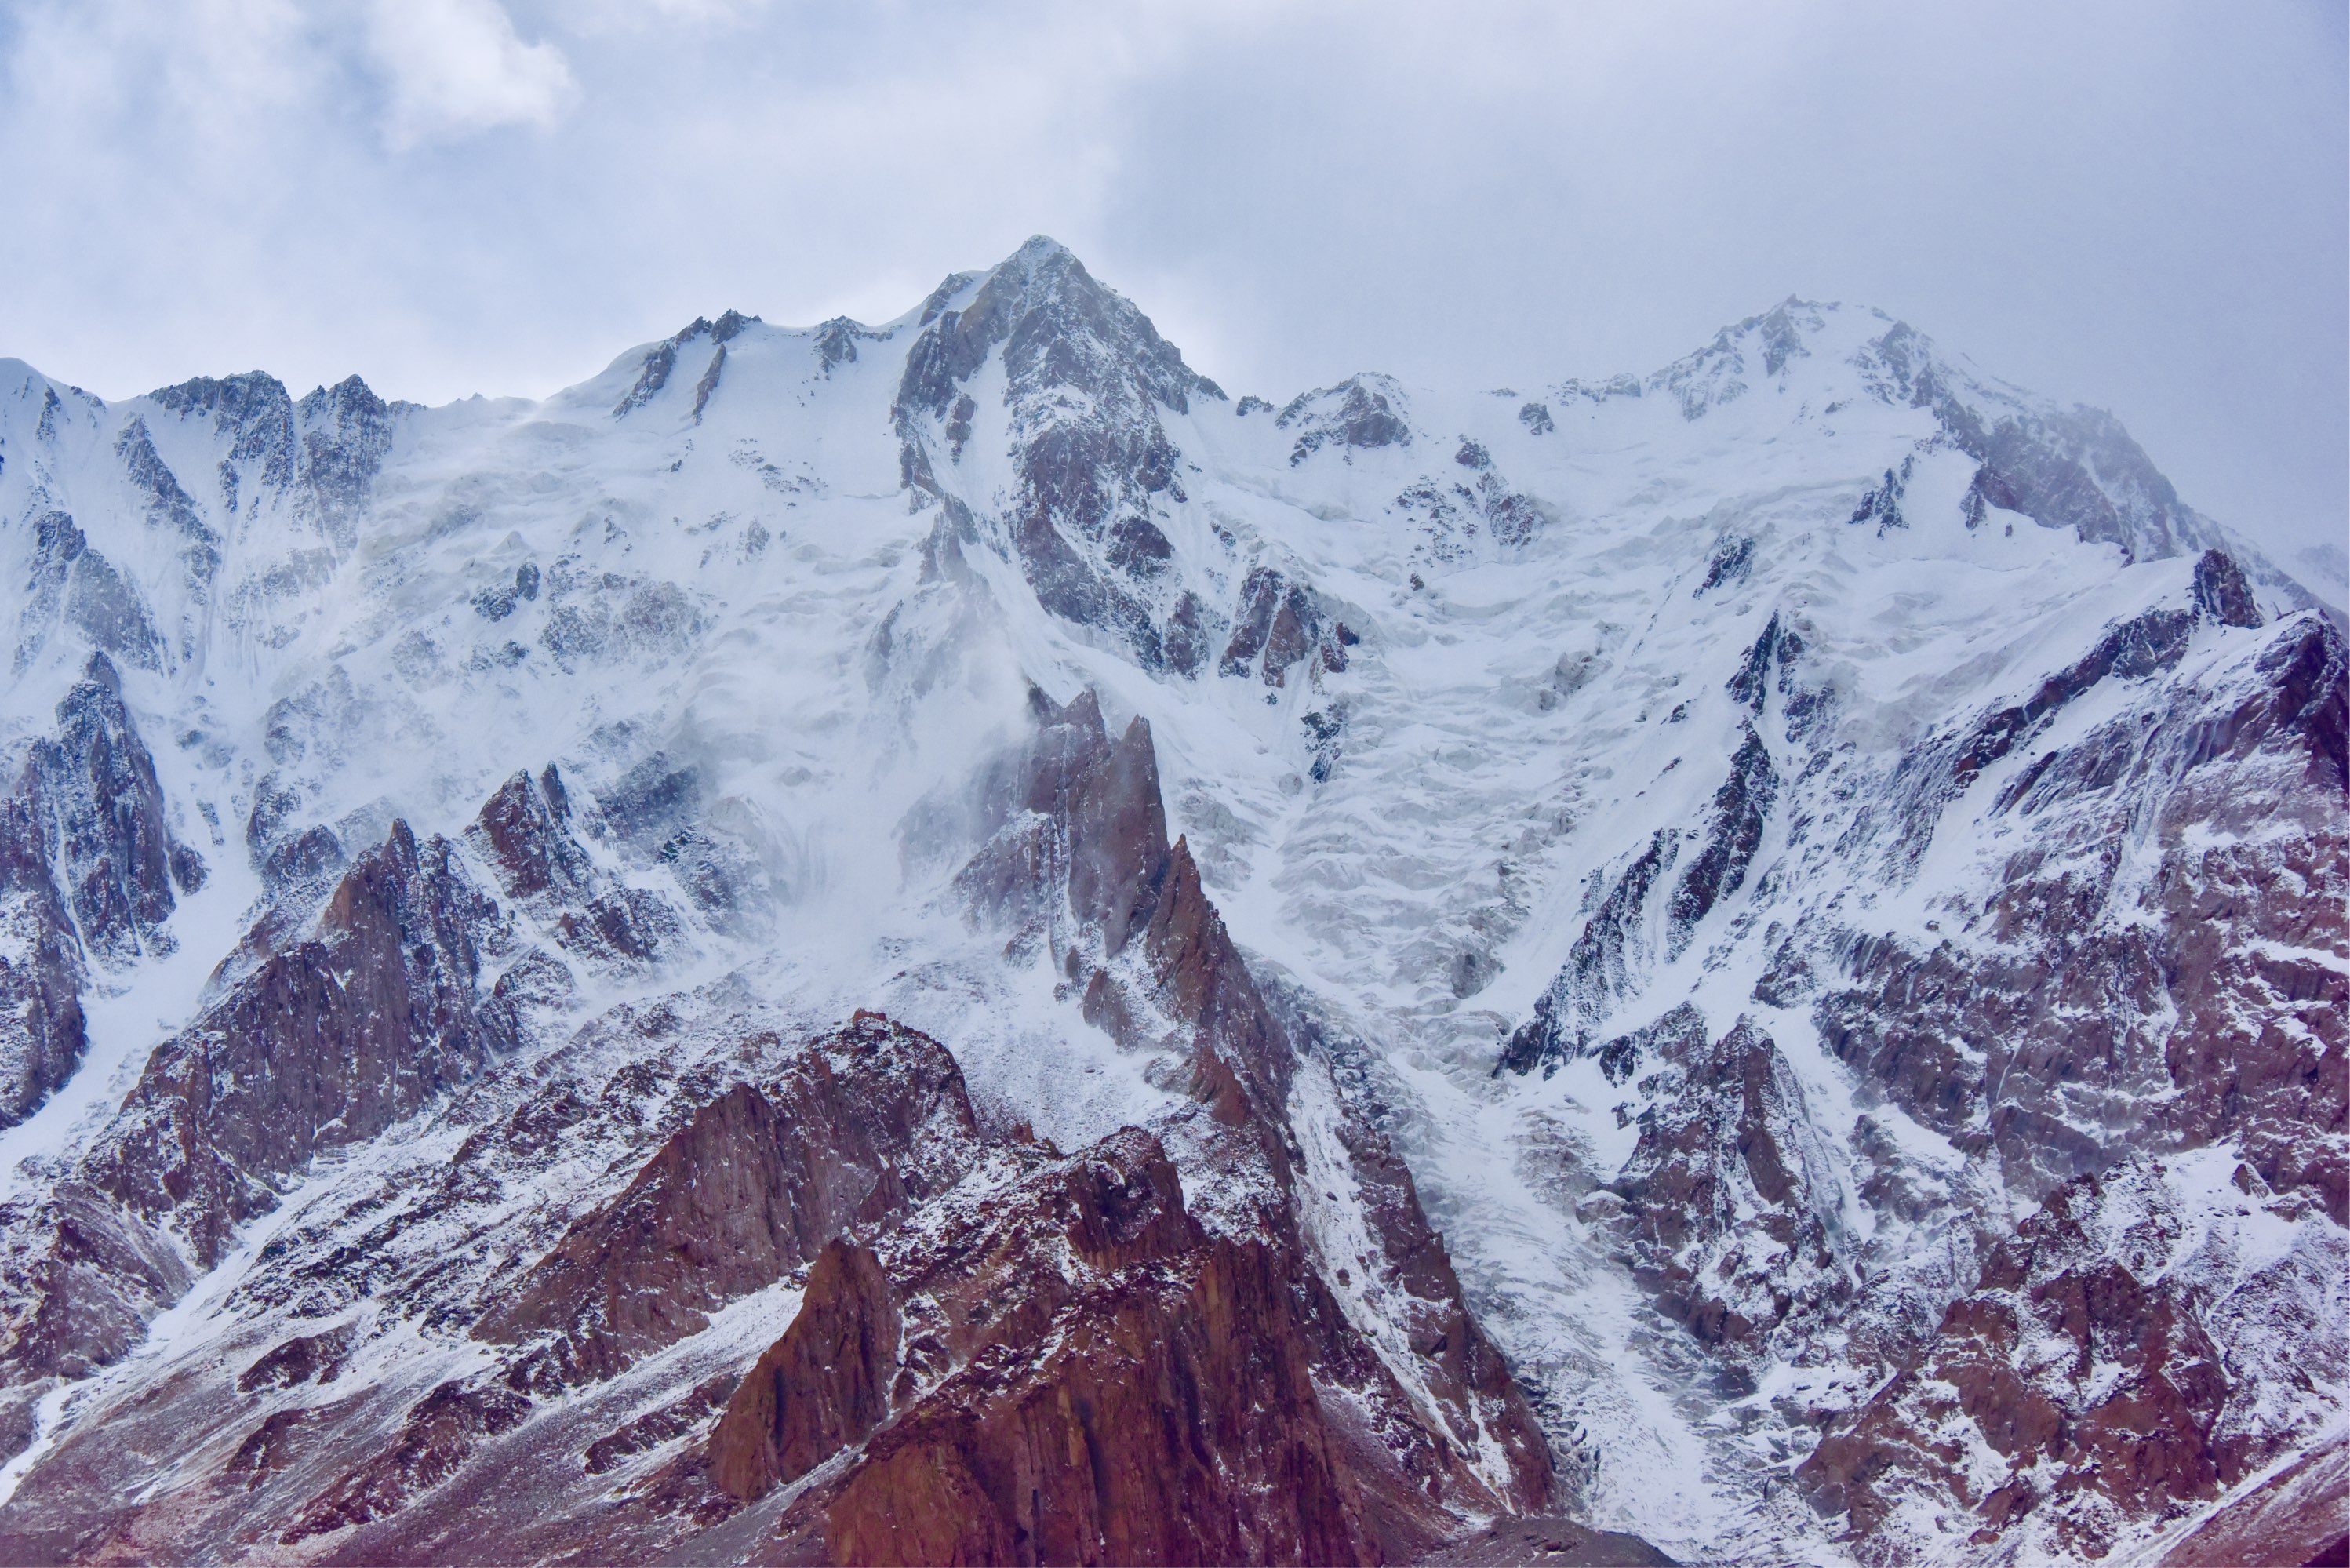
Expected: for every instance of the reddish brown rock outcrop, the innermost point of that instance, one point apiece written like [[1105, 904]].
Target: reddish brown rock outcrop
[[1082, 867], [305, 1358], [866, 1123], [525, 835], [1173, 1420], [1729, 1206], [1277, 624], [2082, 1361], [1088, 1377], [822, 1386], [80, 1295], [998, 1350], [437, 1436], [2100, 1006], [2297, 1518], [326, 1043], [522, 834]]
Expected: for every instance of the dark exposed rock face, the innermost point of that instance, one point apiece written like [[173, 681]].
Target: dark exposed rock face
[[864, 1125], [171, 513], [1729, 1201], [1082, 863], [836, 341], [2299, 1515], [90, 872], [2109, 1009], [352, 1453], [2081, 1369], [1730, 562], [2306, 694], [305, 1358], [1741, 807], [1360, 413], [1279, 626], [254, 412], [2076, 470], [1678, 1036], [323, 453], [2131, 649], [326, 1043], [84, 1279], [707, 388], [1455, 514], [1773, 664], [933, 1500], [821, 1387], [1728, 1207], [1077, 1370], [1082, 820], [2144, 967], [659, 362], [525, 834], [651, 376], [1157, 1407], [74, 585], [521, 831], [114, 853], [438, 1435], [1597, 967], [2095, 1025], [2223, 593], [42, 1037], [1082, 868], [517, 1256], [1085, 373], [1881, 504], [1041, 1357]]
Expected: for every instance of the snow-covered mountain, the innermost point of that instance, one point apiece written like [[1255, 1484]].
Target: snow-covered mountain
[[937, 941]]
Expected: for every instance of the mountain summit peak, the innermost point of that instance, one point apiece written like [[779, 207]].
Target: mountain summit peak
[[1039, 249]]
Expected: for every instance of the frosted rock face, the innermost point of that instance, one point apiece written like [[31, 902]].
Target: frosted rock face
[[1729, 1202], [329, 1042], [1083, 376], [930, 941], [89, 870], [42, 1032], [1362, 413], [113, 851], [2084, 1377]]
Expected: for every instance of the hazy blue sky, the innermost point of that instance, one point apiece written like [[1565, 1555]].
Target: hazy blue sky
[[2140, 205]]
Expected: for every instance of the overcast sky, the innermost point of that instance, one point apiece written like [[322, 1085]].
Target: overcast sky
[[2141, 205]]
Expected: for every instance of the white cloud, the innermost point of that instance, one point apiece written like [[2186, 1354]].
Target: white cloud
[[593, 18], [457, 66]]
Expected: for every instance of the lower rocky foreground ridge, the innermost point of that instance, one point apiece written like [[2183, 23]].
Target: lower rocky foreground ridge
[[678, 1283], [935, 942]]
